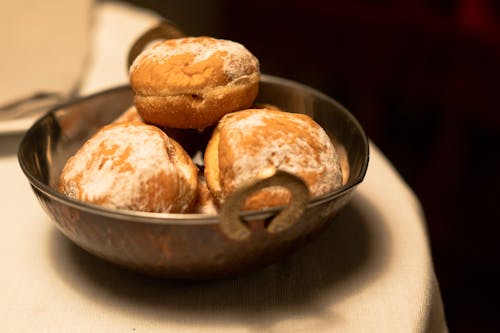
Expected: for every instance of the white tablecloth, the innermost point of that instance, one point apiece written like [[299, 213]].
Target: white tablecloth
[[370, 271]]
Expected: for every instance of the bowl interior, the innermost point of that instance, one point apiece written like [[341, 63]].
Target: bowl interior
[[58, 134]]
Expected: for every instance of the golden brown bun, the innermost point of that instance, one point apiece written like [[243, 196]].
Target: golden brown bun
[[132, 166], [192, 140], [129, 115], [192, 82], [246, 144], [266, 106], [205, 203]]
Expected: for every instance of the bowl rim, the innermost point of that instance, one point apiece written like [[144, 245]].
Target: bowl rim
[[188, 218]]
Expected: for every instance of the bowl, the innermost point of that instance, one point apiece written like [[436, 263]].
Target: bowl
[[189, 246]]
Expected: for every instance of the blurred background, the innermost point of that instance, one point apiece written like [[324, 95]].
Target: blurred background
[[422, 77]]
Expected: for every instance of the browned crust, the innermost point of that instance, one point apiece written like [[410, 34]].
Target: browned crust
[[211, 170], [220, 157], [205, 203], [129, 115], [187, 199], [179, 192], [181, 91], [196, 110]]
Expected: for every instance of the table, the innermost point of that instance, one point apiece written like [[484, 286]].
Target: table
[[370, 271]]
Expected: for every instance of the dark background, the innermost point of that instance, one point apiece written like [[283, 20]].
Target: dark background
[[422, 77]]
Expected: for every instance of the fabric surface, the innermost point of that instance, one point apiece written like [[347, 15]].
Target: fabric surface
[[44, 46], [371, 270], [116, 26]]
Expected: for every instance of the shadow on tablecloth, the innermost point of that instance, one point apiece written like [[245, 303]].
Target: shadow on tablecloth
[[351, 253]]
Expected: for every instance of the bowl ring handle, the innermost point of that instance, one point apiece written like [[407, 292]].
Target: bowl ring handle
[[232, 225], [161, 31]]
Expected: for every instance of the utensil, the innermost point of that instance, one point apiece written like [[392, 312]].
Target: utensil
[[31, 105]]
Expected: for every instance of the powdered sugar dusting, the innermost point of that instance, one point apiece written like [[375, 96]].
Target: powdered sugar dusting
[[237, 59], [116, 166], [294, 146]]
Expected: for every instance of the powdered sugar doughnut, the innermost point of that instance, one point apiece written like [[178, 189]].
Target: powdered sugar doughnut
[[247, 143], [192, 82], [129, 115], [132, 166]]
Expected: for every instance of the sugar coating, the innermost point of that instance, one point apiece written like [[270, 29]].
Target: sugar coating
[[117, 166], [236, 58], [260, 138]]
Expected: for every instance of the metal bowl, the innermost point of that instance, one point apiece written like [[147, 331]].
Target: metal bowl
[[187, 246]]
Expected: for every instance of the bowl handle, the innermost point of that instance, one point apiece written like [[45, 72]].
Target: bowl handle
[[234, 228], [163, 30]]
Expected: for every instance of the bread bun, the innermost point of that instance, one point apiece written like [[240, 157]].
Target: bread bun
[[192, 140], [205, 203], [129, 115], [132, 166], [246, 144], [192, 82]]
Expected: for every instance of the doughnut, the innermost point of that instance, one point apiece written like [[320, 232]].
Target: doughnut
[[205, 202], [250, 144], [192, 82], [132, 166], [129, 115], [266, 106], [192, 140]]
